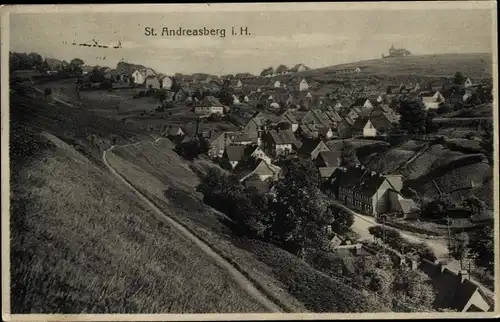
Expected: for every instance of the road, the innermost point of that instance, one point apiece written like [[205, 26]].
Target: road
[[237, 276], [440, 246]]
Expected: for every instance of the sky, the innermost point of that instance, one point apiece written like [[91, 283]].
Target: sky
[[314, 38]]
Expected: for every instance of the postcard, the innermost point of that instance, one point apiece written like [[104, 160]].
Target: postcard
[[249, 161]]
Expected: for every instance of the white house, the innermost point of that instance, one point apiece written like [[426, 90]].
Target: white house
[[166, 83], [139, 77], [303, 85], [235, 100], [258, 153], [263, 171], [432, 102], [468, 83], [277, 84], [369, 130], [209, 105]]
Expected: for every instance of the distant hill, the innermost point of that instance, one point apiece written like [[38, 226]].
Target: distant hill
[[442, 65]]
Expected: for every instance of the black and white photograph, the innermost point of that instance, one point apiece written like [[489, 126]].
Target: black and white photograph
[[249, 161]]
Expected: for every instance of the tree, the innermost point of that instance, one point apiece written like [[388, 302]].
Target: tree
[[341, 221], [281, 69], [75, 65], [96, 75], [412, 286], [458, 78], [487, 143], [474, 204], [438, 208], [413, 117], [482, 249], [297, 214], [459, 247], [348, 155]]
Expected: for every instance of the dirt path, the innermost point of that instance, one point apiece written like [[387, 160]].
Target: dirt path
[[237, 276]]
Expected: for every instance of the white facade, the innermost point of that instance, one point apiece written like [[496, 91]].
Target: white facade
[[303, 86], [468, 83], [369, 130], [209, 109], [277, 84], [139, 78], [368, 104], [301, 68], [166, 83], [295, 127], [283, 148], [261, 155]]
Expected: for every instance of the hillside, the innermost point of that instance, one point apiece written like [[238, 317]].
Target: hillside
[[428, 66], [82, 243], [456, 167], [162, 176]]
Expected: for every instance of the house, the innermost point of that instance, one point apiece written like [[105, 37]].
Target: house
[[279, 142], [368, 192], [218, 142], [468, 83], [308, 131], [289, 117], [209, 105], [259, 154], [432, 101], [87, 70], [311, 148], [455, 290], [233, 154], [277, 84], [363, 102], [166, 82], [358, 111], [139, 75], [329, 158], [351, 250], [174, 131], [181, 95], [254, 129], [376, 125], [298, 68], [152, 82], [55, 65], [262, 172], [242, 139], [304, 86]]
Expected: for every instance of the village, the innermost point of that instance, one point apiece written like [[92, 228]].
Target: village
[[345, 122]]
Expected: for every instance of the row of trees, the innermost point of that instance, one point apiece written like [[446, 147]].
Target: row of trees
[[415, 119], [34, 61]]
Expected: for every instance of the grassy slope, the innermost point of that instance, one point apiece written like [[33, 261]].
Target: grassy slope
[[443, 65], [298, 286], [81, 243]]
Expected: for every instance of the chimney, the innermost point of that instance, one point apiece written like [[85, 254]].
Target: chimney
[[463, 274]]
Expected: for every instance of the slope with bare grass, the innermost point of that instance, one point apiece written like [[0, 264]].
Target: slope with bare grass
[[288, 280]]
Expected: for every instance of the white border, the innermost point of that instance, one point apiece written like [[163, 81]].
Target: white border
[[207, 8]]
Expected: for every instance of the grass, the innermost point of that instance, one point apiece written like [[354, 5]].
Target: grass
[[82, 243], [441, 65], [288, 280]]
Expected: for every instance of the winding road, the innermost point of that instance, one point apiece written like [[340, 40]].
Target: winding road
[[237, 276]]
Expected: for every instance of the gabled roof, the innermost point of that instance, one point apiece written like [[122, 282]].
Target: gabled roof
[[263, 169], [308, 146], [235, 152], [242, 137], [282, 136], [331, 158], [381, 122], [360, 123]]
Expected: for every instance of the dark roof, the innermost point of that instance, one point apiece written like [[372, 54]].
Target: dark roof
[[451, 292], [360, 123], [381, 122], [359, 101], [235, 152], [331, 158], [261, 186], [282, 136], [361, 180], [308, 146], [242, 137]]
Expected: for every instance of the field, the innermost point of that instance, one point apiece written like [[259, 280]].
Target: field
[[158, 173], [476, 66], [82, 243]]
